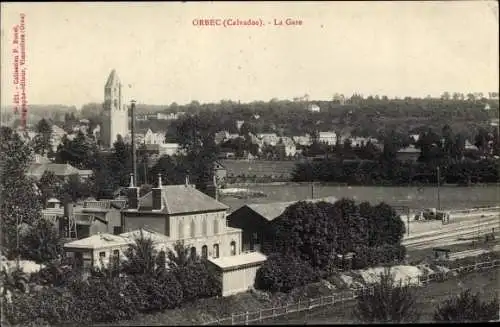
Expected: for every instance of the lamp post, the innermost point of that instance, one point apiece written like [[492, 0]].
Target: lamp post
[[132, 130]]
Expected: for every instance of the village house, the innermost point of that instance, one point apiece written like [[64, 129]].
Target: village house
[[312, 107], [410, 153], [180, 213], [36, 170], [302, 140], [329, 138], [151, 137], [256, 222], [268, 138], [286, 147], [81, 221]]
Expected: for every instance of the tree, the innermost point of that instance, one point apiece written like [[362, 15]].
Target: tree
[[50, 187], [42, 142], [42, 242], [305, 230], [80, 152], [75, 188], [387, 301], [196, 134], [179, 256], [19, 201], [466, 307], [141, 257]]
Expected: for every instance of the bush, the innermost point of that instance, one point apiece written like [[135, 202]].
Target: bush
[[389, 302], [161, 292], [466, 307], [382, 255], [283, 273], [41, 243], [49, 305], [107, 299], [197, 280]]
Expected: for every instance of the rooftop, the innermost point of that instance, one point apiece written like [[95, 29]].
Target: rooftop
[[238, 260], [177, 199], [38, 169], [273, 210], [98, 241]]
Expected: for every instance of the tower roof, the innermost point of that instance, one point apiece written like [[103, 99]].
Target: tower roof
[[112, 79]]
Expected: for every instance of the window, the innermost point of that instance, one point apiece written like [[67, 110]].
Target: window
[[193, 230], [181, 230], [116, 257], [204, 252], [117, 230], [233, 248], [102, 255], [193, 252], [216, 250], [216, 225], [204, 226]]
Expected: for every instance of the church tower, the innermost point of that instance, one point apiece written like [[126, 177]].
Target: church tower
[[115, 112]]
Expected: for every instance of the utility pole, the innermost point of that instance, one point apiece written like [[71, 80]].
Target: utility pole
[[132, 129], [438, 181]]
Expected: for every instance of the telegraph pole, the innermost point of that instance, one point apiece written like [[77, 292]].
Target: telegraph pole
[[132, 129], [438, 180]]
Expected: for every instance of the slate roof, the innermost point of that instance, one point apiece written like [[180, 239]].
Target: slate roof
[[178, 199], [273, 210], [154, 236]]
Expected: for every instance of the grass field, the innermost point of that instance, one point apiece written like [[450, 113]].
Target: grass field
[[486, 283], [451, 197]]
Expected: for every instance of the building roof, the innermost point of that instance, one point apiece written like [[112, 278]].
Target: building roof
[[58, 169], [98, 241], [409, 149], [156, 237], [273, 210], [236, 261], [112, 79], [177, 199]]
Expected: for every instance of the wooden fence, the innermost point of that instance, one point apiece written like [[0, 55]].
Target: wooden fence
[[305, 305]]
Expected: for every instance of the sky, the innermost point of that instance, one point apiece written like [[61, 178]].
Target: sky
[[387, 48]]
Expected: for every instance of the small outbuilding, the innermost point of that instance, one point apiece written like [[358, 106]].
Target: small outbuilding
[[238, 272]]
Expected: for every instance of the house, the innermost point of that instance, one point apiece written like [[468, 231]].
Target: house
[[238, 272], [302, 140], [268, 138], [85, 220], [313, 108], [286, 147], [168, 149], [410, 153], [36, 170], [256, 221], [151, 137], [183, 213], [329, 138]]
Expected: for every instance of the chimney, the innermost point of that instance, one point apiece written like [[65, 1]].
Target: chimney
[[157, 192], [187, 180], [133, 194], [68, 215]]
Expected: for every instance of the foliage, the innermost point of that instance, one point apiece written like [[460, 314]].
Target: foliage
[[283, 273], [388, 301], [76, 188], [161, 292], [466, 307], [19, 202], [42, 243], [79, 152], [317, 232], [14, 280], [197, 280], [379, 255], [50, 187], [42, 141], [140, 257], [180, 256], [55, 273]]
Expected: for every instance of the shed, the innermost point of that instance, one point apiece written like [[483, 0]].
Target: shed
[[238, 272], [256, 221]]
